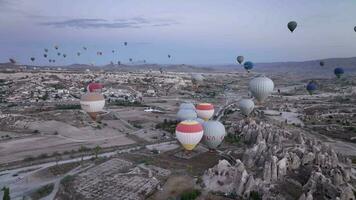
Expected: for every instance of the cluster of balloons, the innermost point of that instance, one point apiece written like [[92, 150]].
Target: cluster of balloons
[[195, 125], [93, 101], [248, 65]]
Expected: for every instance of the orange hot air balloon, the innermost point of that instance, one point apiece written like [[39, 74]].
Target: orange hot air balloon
[[205, 110], [189, 133]]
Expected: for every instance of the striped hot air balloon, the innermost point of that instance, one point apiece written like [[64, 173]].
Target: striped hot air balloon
[[92, 103], [189, 133], [205, 110], [261, 87]]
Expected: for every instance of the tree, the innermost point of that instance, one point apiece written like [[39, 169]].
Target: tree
[[82, 149], [6, 191], [97, 149]]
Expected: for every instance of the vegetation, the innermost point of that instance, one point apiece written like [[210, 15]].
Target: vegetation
[[167, 125], [42, 191], [254, 195], [232, 139], [190, 195], [66, 180], [127, 103], [68, 107], [6, 194], [97, 150]]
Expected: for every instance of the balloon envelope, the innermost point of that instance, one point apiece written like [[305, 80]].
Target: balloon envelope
[[205, 110], [92, 103], [292, 25], [189, 133], [338, 72], [248, 65], [240, 59], [246, 106], [214, 133], [261, 87], [94, 87], [186, 114], [311, 87], [321, 63], [187, 106]]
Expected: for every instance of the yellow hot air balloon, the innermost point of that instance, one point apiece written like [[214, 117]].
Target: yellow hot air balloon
[[189, 133], [205, 110]]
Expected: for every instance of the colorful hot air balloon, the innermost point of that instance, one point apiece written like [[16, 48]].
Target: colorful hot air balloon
[[246, 106], [248, 65], [94, 87], [292, 25], [32, 59], [311, 87], [189, 133], [214, 133], [187, 106], [338, 72], [186, 114], [240, 59], [261, 87], [205, 110], [92, 103]]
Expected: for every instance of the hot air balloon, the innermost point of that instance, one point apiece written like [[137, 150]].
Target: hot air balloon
[[32, 59], [187, 106], [261, 87], [125, 43], [189, 133], [311, 87], [248, 65], [99, 53], [56, 47], [64, 55], [205, 110], [240, 59], [292, 25], [355, 28], [338, 72], [118, 62], [13, 61], [94, 87], [58, 54], [92, 103], [50, 60], [246, 106], [321, 63], [130, 59], [169, 56], [78, 53], [45, 55], [197, 79], [214, 133], [112, 51], [54, 60], [46, 50], [186, 114]]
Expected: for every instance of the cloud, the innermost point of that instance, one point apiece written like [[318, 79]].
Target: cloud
[[85, 23]]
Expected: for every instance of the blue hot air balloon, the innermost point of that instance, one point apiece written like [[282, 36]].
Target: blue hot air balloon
[[338, 72], [248, 65], [311, 87]]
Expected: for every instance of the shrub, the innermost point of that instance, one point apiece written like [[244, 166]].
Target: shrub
[[191, 195]]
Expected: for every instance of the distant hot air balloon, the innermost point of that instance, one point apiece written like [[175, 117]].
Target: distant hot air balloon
[[50, 60], [321, 63], [189, 133], [46, 50], [125, 43], [54, 60], [78, 53], [186, 114], [187, 106], [56, 47], [32, 59], [261, 87], [112, 51], [292, 25], [240, 59], [246, 106], [197, 79], [130, 59], [311, 87], [338, 72], [169, 56], [205, 110], [92, 103], [13, 61], [118, 62], [45, 55], [64, 55], [94, 87], [355, 28], [58, 54], [214, 133], [248, 65]]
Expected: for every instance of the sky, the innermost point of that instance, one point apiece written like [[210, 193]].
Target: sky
[[191, 31]]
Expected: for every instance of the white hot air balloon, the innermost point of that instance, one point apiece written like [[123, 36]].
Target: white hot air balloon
[[205, 110], [261, 87], [214, 133], [92, 103], [189, 133], [246, 106], [186, 114], [186, 106]]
